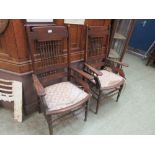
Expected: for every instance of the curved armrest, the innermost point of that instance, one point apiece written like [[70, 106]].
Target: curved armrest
[[118, 62], [38, 86], [93, 70], [80, 81], [82, 73]]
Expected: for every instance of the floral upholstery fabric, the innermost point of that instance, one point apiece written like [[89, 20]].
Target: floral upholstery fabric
[[63, 95], [110, 79]]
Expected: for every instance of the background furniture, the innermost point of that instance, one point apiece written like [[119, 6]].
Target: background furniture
[[105, 83], [151, 57], [58, 85], [3, 25], [143, 37], [121, 32], [11, 97]]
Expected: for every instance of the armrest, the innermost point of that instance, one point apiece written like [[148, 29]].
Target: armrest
[[38, 86], [85, 75], [118, 62], [80, 81], [93, 70]]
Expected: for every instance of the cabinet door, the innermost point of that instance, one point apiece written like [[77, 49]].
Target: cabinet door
[[122, 29]]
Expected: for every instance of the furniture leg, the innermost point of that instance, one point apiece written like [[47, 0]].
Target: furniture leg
[[50, 124], [86, 111], [98, 102], [148, 61], [119, 93]]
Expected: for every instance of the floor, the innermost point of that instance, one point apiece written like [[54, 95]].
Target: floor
[[133, 114]]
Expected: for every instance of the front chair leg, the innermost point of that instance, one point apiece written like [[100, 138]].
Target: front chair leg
[[98, 102], [86, 111], [50, 124], [39, 105], [119, 93], [148, 61]]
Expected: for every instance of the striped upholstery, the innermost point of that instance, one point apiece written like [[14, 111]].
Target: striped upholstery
[[11, 91]]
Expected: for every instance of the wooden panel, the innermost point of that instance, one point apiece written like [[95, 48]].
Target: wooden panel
[[14, 51], [14, 54], [21, 39], [97, 22]]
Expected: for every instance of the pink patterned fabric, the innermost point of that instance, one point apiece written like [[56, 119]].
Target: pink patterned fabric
[[62, 95], [109, 79]]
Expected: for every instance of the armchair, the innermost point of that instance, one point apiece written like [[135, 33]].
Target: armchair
[[108, 75], [59, 86]]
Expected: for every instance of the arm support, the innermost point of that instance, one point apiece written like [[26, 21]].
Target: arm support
[[38, 86], [82, 73], [118, 62], [98, 73], [80, 80]]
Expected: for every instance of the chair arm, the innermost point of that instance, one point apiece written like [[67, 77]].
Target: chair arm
[[81, 81], [118, 62], [82, 73], [98, 73], [38, 86]]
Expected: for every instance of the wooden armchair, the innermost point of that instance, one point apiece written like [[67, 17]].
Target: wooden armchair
[[106, 81], [60, 87]]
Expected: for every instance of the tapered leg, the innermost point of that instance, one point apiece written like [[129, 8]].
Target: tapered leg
[[86, 111], [148, 61], [39, 105], [98, 102], [50, 124], [119, 93]]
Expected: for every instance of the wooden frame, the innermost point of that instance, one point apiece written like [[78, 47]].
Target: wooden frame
[[97, 58], [151, 57], [119, 37], [53, 66]]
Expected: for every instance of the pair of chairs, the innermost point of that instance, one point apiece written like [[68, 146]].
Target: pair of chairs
[[62, 88]]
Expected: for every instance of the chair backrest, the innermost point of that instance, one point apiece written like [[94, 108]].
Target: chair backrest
[[49, 59], [97, 45]]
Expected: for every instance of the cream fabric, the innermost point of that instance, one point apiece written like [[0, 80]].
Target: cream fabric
[[109, 79], [62, 95], [15, 96]]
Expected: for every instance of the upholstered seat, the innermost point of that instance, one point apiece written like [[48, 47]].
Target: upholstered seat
[[110, 80], [63, 95]]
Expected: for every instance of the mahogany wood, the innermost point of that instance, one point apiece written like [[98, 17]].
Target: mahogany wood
[[48, 43], [96, 54]]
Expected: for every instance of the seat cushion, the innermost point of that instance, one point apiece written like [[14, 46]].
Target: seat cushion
[[63, 95], [110, 80]]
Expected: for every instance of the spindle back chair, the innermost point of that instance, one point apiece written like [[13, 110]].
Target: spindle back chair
[[97, 64], [55, 80]]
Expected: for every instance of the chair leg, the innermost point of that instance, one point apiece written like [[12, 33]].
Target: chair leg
[[50, 124], [39, 105], [119, 93], [148, 61], [98, 102], [86, 111]]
